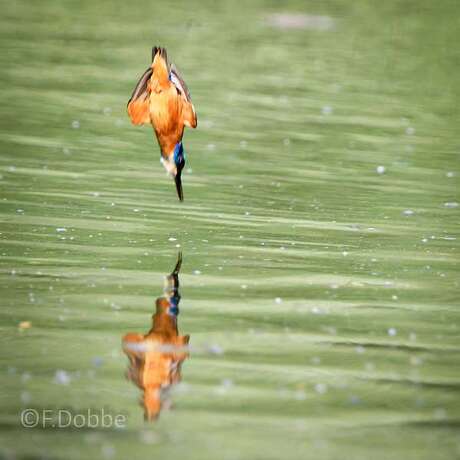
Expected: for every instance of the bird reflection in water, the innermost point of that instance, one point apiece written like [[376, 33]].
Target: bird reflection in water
[[155, 359]]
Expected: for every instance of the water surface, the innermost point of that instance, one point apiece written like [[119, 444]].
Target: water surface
[[319, 230]]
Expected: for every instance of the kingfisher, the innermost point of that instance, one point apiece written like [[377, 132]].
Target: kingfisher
[[155, 358], [162, 99]]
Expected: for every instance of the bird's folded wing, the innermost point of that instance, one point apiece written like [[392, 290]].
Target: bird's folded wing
[[188, 111], [138, 105]]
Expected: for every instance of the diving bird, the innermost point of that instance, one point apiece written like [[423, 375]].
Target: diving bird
[[162, 98]]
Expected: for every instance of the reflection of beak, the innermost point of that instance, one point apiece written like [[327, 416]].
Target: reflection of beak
[[178, 181]]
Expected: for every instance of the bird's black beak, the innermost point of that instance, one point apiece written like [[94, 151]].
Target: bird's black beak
[[178, 182]]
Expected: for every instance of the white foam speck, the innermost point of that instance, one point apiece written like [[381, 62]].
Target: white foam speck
[[61, 377], [321, 388], [410, 131]]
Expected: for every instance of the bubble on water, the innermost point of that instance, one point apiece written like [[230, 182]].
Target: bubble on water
[[61, 229], [450, 174], [286, 141], [25, 397], [354, 399], [244, 286], [19, 211], [410, 131], [207, 123], [62, 377], [97, 361], [394, 297], [360, 349], [440, 413], [211, 147], [172, 239], [451, 204], [196, 272], [392, 331], [75, 124], [108, 451], [95, 194], [321, 388], [136, 210], [278, 300], [300, 395], [227, 383], [381, 169], [326, 110], [424, 240], [369, 366], [344, 253], [408, 212], [300, 21], [215, 349], [148, 437]]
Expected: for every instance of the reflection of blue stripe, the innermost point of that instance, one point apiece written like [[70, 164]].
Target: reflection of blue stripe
[[173, 309]]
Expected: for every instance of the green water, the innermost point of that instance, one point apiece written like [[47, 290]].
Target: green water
[[321, 297]]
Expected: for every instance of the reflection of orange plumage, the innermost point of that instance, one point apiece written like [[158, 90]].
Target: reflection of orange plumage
[[156, 357], [161, 98]]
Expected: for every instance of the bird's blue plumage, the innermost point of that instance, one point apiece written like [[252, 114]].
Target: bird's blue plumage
[[179, 154]]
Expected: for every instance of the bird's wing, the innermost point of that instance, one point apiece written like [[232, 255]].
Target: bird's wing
[[138, 105], [179, 83], [188, 111]]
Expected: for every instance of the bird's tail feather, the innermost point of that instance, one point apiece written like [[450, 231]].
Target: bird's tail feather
[[160, 65]]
